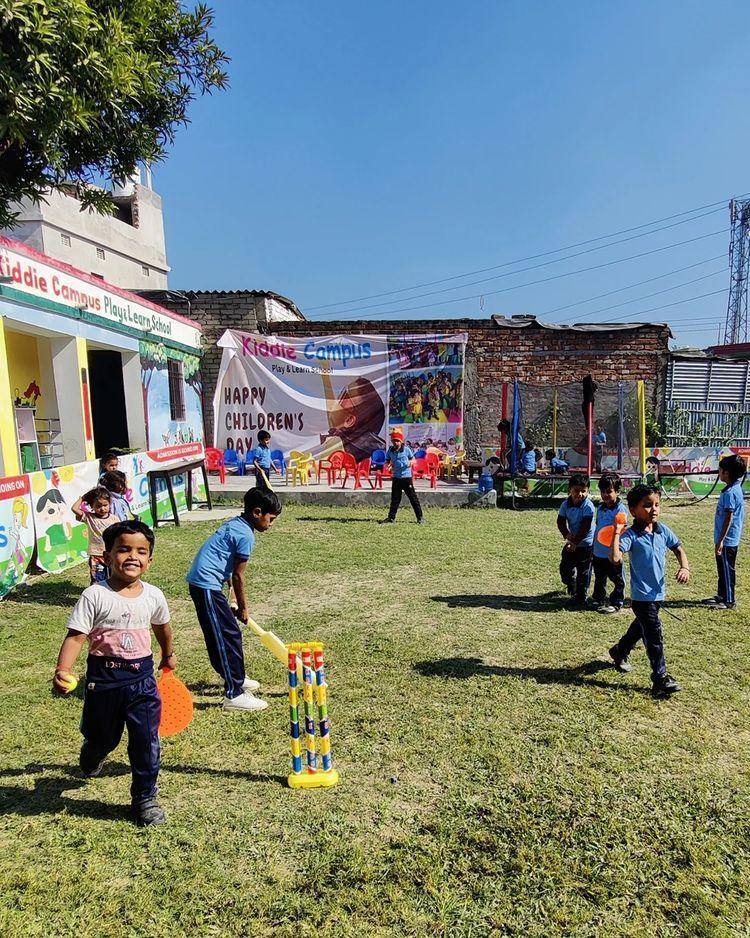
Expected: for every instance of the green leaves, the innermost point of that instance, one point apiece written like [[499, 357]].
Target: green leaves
[[91, 88]]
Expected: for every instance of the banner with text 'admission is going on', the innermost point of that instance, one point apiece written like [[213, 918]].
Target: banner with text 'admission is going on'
[[324, 393]]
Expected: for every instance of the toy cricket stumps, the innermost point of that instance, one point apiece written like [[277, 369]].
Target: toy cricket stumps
[[315, 776]]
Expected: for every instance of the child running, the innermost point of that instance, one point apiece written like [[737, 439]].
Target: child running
[[574, 522], [647, 542], [97, 519], [116, 617], [400, 457], [728, 523], [610, 506], [223, 559]]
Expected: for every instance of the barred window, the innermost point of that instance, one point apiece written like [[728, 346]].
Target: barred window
[[176, 389], [65, 240], [100, 254]]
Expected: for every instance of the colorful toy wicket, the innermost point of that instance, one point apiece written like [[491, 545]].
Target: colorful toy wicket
[[315, 776]]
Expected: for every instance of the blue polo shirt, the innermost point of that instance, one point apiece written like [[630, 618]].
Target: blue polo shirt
[[399, 460], [214, 563], [575, 515], [731, 499], [648, 560], [605, 518], [261, 455], [601, 438], [558, 465], [528, 461]]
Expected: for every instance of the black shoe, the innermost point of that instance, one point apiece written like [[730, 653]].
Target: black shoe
[[90, 762], [575, 603], [571, 588], [420, 521], [148, 813], [722, 605], [665, 686], [387, 521], [621, 663], [712, 601]]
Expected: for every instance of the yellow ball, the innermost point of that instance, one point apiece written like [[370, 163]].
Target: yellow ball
[[69, 682]]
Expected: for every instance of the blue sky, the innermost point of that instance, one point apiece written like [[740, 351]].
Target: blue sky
[[365, 148]]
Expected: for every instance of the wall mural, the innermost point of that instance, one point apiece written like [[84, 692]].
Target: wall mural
[[161, 429]]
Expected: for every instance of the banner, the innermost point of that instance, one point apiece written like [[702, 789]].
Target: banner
[[16, 531], [61, 540], [339, 392]]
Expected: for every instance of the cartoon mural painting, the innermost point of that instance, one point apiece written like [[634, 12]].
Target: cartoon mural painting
[[158, 406], [53, 511]]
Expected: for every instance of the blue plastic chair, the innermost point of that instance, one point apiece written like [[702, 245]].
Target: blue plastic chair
[[377, 460], [420, 454], [277, 457], [232, 461]]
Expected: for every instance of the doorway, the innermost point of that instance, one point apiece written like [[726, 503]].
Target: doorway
[[107, 390]]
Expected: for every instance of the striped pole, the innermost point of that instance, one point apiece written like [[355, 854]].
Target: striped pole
[[321, 692], [294, 713], [310, 744]]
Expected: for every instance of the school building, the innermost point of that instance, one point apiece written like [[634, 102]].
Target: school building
[[86, 366]]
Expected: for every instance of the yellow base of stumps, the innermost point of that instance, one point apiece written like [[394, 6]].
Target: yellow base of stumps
[[313, 779]]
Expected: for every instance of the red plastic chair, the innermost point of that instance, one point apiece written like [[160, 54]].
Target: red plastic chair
[[421, 470], [349, 465], [215, 462], [363, 472], [331, 466], [382, 472]]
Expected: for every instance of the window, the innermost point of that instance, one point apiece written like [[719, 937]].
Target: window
[[100, 254], [176, 390], [65, 240], [145, 271], [98, 276]]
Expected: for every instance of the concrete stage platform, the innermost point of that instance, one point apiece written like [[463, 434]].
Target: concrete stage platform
[[447, 494]]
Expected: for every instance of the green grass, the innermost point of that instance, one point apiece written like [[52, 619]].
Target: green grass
[[497, 777]]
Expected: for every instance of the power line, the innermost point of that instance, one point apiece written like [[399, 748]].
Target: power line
[[519, 286], [521, 270], [690, 299], [531, 257]]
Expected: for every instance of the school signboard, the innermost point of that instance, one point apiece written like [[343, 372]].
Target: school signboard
[[320, 394]]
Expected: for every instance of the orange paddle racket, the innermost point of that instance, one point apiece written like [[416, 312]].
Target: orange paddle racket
[[176, 704], [606, 535]]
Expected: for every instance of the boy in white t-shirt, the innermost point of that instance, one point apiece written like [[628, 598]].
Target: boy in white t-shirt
[[116, 617]]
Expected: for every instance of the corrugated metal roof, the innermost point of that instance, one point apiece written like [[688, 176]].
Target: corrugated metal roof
[[524, 321]]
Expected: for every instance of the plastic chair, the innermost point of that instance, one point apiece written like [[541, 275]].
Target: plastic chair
[[421, 470], [420, 453], [232, 461], [277, 458], [349, 465], [215, 462], [363, 472], [300, 466], [377, 460], [383, 472], [331, 466]]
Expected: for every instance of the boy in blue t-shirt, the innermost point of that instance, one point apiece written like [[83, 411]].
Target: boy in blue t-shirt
[[610, 506], [260, 457], [556, 465], [730, 517], [222, 559], [575, 523], [647, 542], [400, 457]]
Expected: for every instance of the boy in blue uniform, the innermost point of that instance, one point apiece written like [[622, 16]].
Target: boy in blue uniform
[[647, 542], [609, 507], [400, 458], [556, 465], [116, 617], [728, 523], [222, 559], [575, 523], [261, 460]]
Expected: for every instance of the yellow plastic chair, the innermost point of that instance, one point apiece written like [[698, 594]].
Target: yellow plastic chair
[[299, 466]]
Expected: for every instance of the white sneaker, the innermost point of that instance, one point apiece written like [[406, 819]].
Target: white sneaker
[[244, 702], [250, 684]]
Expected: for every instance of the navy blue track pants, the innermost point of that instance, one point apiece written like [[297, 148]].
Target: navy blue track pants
[[223, 636], [726, 567]]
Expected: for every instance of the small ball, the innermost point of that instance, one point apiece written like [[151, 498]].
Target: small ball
[[69, 682]]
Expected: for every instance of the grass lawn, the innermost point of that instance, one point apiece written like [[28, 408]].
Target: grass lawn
[[498, 778]]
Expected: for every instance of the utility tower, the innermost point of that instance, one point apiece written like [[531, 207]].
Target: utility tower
[[735, 328]]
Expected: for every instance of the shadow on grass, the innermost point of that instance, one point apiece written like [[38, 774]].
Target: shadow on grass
[[578, 676], [544, 602], [47, 591], [337, 520]]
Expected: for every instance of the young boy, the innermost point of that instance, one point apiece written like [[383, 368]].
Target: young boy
[[400, 457], [115, 618], [556, 465], [97, 519], [647, 542], [730, 517], [222, 559], [261, 460], [609, 507], [575, 523]]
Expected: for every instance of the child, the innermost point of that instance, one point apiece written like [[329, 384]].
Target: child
[[528, 459], [730, 517], [574, 522], [116, 484], [222, 559], [647, 542], [557, 466], [609, 507], [120, 687], [261, 460], [97, 519], [400, 457], [108, 463], [600, 446]]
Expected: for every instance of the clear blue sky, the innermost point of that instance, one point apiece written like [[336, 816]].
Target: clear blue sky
[[363, 148]]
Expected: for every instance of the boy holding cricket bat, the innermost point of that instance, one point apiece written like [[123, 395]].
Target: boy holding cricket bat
[[222, 559]]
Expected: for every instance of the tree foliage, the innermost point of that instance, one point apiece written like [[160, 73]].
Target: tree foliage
[[91, 88]]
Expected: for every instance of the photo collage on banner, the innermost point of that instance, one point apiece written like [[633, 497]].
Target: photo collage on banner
[[16, 531], [426, 385]]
